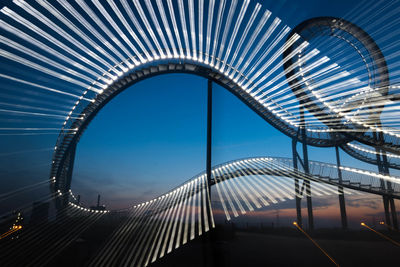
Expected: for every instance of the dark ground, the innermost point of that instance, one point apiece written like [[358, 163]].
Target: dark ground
[[289, 247], [228, 245]]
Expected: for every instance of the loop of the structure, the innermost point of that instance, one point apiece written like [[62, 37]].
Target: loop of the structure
[[371, 55]]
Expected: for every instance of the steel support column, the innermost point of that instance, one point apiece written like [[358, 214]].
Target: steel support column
[[307, 182], [70, 170], [62, 201], [296, 184], [342, 204], [209, 147], [209, 239], [382, 170], [392, 207], [394, 214], [209, 132], [383, 187]]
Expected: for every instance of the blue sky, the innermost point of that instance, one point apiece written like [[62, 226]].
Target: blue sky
[[152, 136]]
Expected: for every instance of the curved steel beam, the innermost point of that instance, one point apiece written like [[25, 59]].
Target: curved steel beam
[[315, 26], [72, 136]]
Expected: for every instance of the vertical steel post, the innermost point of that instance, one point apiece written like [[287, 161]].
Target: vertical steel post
[[68, 177], [342, 204], [62, 201], [296, 184], [392, 206], [209, 132], [394, 214], [209, 240], [306, 170], [381, 170], [308, 183], [71, 161], [383, 187]]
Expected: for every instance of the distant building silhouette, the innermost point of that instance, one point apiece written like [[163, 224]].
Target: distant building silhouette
[[98, 207]]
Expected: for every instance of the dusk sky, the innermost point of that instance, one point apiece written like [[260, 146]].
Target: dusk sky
[[152, 137], [106, 153]]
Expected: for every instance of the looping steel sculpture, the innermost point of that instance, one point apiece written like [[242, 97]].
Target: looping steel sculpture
[[370, 54]]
